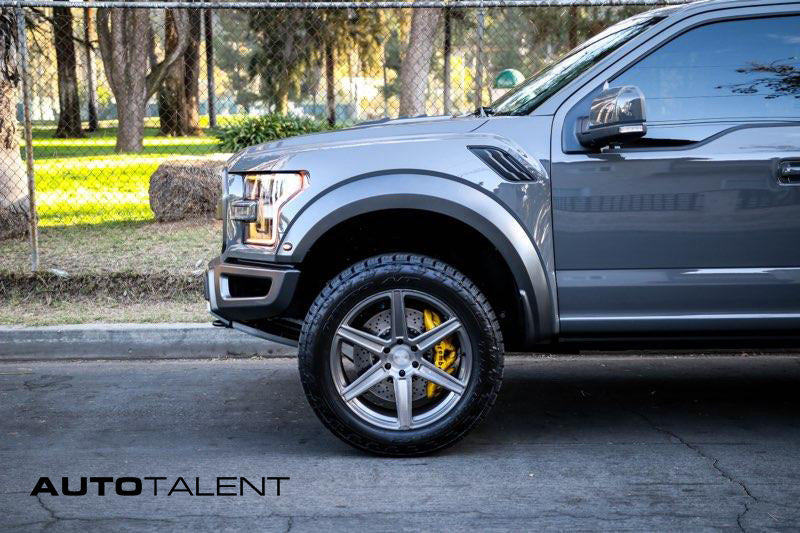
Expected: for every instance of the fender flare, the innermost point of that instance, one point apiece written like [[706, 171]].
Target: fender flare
[[440, 193]]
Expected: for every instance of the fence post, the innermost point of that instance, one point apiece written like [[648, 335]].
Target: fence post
[[33, 218], [385, 84], [479, 60], [208, 20], [448, 45], [91, 78]]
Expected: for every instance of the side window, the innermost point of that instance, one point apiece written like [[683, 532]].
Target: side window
[[743, 69]]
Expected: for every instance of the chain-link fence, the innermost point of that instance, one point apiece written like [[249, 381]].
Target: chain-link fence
[[130, 108]]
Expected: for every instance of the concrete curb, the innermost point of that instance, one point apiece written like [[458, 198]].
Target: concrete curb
[[133, 341]]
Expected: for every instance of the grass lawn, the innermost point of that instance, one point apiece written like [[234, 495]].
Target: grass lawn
[[83, 181], [116, 272], [141, 247], [97, 227]]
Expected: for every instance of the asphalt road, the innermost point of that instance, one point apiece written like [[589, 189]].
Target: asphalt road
[[596, 443]]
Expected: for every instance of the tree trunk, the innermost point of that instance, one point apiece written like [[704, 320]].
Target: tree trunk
[[151, 47], [209, 31], [171, 93], [69, 116], [416, 63], [282, 96], [572, 32], [330, 81], [122, 34], [289, 53], [191, 75], [91, 78], [13, 179], [131, 110]]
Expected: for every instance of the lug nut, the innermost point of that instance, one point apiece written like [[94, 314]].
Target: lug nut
[[387, 366], [402, 373], [413, 348], [415, 364], [386, 350]]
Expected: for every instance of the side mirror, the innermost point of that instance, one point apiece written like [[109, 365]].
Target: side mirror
[[617, 114]]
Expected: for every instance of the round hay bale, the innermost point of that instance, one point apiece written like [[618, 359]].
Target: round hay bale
[[185, 189]]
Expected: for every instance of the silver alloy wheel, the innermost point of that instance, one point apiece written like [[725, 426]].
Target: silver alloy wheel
[[399, 357]]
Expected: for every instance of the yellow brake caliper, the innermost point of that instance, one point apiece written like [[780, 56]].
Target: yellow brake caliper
[[444, 353]]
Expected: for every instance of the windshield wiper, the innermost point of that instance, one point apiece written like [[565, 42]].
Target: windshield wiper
[[484, 111]]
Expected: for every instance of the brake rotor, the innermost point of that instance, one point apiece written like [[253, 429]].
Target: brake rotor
[[380, 325]]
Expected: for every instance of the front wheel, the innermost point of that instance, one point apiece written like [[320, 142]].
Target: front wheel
[[401, 355]]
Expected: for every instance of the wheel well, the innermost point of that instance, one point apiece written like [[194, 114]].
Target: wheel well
[[419, 232]]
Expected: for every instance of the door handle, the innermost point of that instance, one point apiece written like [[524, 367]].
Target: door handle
[[789, 173]]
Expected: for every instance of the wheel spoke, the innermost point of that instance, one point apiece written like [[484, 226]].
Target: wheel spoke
[[374, 375], [403, 398], [437, 334], [363, 339], [398, 315], [431, 372], [372, 348]]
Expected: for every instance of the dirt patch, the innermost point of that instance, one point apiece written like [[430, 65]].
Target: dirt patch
[[120, 286], [81, 310]]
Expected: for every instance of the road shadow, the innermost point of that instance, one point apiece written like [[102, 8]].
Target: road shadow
[[254, 407], [583, 399], [597, 396]]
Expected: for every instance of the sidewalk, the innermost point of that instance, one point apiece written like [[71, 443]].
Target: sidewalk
[[132, 341]]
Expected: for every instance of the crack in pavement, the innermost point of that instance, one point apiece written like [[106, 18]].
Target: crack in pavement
[[714, 464], [740, 516], [53, 517]]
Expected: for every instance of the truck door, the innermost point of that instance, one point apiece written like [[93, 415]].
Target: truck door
[[696, 226]]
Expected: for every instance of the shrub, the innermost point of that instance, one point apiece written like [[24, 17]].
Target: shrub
[[248, 131]]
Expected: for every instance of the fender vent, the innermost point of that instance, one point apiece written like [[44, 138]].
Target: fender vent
[[506, 165]]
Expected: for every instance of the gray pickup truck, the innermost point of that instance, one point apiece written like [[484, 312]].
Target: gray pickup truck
[[644, 187]]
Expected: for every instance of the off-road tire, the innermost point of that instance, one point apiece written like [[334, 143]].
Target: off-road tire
[[403, 271]]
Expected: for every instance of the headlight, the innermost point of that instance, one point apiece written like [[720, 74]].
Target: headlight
[[269, 193]]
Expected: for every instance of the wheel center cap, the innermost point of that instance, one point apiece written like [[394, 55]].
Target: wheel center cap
[[400, 356]]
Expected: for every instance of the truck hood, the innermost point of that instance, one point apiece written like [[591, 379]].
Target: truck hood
[[258, 157]]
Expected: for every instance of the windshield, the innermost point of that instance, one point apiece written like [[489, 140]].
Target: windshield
[[536, 90]]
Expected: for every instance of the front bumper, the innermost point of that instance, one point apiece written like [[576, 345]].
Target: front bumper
[[238, 292]]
